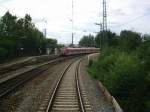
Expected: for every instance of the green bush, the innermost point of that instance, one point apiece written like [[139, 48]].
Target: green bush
[[105, 61], [124, 76], [124, 68], [3, 54]]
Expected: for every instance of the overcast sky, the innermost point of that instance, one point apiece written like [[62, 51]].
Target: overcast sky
[[122, 14]]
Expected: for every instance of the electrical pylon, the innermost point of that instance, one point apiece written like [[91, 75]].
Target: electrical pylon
[[104, 16]]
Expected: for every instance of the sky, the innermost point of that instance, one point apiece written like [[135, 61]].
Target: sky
[[56, 16]]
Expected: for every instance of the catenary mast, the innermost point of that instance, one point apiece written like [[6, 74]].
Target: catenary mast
[[104, 16], [72, 22]]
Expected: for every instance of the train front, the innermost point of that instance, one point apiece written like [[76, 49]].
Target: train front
[[63, 51]]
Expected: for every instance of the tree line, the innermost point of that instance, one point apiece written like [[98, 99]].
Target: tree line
[[20, 37], [123, 67]]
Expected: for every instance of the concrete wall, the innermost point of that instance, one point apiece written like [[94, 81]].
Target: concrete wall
[[110, 98]]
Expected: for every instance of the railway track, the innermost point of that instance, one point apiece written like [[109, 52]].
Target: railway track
[[12, 83], [15, 65], [68, 94]]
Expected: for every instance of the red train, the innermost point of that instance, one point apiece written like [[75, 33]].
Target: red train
[[71, 51]]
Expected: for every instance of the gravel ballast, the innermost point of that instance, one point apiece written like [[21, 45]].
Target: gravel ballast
[[27, 98], [96, 97]]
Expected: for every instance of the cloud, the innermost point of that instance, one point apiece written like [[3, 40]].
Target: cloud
[[4, 1], [129, 14], [118, 12], [58, 14]]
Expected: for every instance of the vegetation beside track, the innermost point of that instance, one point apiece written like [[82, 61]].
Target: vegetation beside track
[[123, 67], [20, 37]]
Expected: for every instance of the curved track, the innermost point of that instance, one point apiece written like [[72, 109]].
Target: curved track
[[67, 95], [10, 84]]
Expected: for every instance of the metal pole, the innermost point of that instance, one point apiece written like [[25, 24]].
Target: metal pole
[[72, 24], [100, 26], [45, 33], [104, 19], [100, 37]]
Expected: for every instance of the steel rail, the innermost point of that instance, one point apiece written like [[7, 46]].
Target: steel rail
[[49, 107], [10, 84], [78, 90], [80, 99]]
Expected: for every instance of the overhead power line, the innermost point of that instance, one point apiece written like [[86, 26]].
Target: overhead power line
[[132, 21]]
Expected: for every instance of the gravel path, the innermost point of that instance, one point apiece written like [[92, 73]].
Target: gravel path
[[29, 97], [96, 97]]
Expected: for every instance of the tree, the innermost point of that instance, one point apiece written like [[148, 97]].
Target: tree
[[129, 40], [19, 36], [8, 26], [87, 41], [125, 77], [123, 67], [3, 53], [51, 44], [105, 39], [144, 52]]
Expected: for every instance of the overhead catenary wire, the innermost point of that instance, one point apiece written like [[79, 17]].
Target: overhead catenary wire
[[131, 21]]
